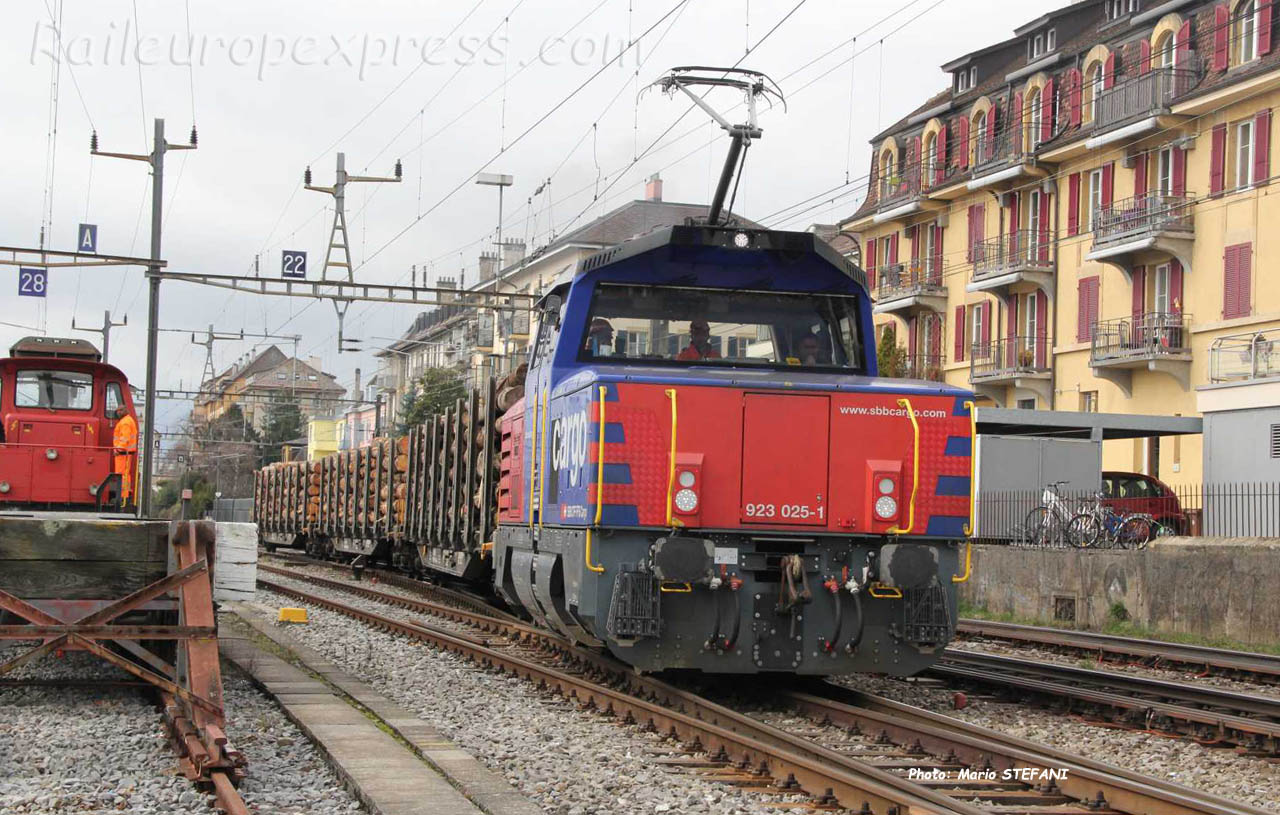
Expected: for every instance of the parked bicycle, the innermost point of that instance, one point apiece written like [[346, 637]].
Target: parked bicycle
[[1101, 527], [1049, 523]]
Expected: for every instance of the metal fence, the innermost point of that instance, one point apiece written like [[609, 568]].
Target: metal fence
[[1008, 357], [1220, 510], [236, 510], [1240, 357], [1147, 94], [1143, 216], [915, 276], [1154, 334], [1021, 250]]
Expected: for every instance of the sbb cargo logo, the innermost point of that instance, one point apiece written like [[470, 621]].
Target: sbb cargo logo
[[569, 444], [881, 410]]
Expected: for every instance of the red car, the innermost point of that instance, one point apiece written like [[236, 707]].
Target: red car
[[1134, 492]]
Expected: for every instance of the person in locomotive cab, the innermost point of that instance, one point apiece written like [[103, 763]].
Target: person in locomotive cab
[[810, 352], [600, 338], [125, 445], [700, 343]]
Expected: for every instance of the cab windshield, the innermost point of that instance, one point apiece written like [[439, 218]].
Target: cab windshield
[[696, 326], [56, 390]]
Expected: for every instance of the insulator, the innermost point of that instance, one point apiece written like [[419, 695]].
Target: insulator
[[399, 169], [306, 177], [194, 139], [93, 142]]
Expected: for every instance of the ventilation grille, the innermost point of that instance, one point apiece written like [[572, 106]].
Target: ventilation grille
[[1275, 441]]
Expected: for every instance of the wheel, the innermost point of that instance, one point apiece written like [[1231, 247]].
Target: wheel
[[1042, 528], [1135, 532], [1084, 530]]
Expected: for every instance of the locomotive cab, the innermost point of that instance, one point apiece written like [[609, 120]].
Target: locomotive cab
[[712, 475], [58, 406]]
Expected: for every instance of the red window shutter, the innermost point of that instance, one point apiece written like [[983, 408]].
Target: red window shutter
[[1082, 309], [981, 209], [1244, 267], [1139, 293], [958, 349], [1262, 146], [893, 249], [1109, 71], [914, 157], [986, 324], [1175, 286], [1179, 171], [936, 277], [1047, 100], [1221, 36], [969, 246], [1218, 160], [1108, 184], [989, 149], [1075, 96], [1011, 331], [1015, 210], [1044, 227], [1264, 27], [870, 264], [1144, 56], [1182, 45], [934, 329], [939, 170], [1073, 204], [911, 338], [963, 156], [1042, 331], [916, 240], [1015, 122], [1140, 174], [1094, 290], [1231, 283]]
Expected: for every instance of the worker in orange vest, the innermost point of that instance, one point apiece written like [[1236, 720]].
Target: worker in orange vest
[[125, 443]]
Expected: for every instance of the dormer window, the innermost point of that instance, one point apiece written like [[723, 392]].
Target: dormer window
[[1050, 40], [962, 81], [1037, 46], [973, 77], [1121, 8]]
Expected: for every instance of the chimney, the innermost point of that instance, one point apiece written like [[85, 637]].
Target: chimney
[[488, 265], [316, 363], [512, 253], [447, 283], [653, 188], [356, 390]]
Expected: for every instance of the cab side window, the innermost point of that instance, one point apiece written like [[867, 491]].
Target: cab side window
[[548, 331], [114, 399]]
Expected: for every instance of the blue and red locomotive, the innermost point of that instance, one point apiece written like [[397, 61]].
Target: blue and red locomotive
[[705, 472]]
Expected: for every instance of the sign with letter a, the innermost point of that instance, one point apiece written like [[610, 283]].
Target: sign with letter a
[[87, 240]]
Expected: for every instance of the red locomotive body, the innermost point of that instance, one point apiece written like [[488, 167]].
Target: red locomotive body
[[57, 416]]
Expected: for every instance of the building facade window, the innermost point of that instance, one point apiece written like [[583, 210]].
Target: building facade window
[[1160, 300], [1088, 401], [1164, 172], [1094, 198], [973, 77], [1092, 91], [1030, 325], [1164, 55], [1245, 34], [1037, 46], [1035, 118], [1244, 154], [962, 81], [1051, 39], [980, 138]]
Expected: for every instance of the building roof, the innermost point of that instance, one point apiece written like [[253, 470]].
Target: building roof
[[292, 368]]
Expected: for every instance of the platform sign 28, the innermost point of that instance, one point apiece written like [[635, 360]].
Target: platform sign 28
[[33, 282]]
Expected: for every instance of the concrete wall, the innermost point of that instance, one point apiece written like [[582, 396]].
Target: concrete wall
[[1203, 586]]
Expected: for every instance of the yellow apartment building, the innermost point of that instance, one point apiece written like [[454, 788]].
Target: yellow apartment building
[[1081, 220]]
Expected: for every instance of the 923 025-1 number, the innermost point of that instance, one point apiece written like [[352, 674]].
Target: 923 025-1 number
[[801, 512]]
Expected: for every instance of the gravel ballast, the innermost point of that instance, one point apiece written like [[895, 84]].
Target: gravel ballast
[[86, 749], [568, 761]]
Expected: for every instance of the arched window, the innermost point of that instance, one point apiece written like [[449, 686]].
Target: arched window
[[1164, 55], [888, 173], [1092, 90], [929, 161], [1034, 118], [981, 139], [1245, 31]]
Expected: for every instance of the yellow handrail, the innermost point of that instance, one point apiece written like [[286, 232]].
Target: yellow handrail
[[542, 481], [599, 485], [915, 469], [882, 592], [671, 471], [685, 588], [968, 564], [971, 528]]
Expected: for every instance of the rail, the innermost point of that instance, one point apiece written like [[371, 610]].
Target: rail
[[995, 149], [1148, 94], [1021, 250], [916, 276], [1008, 357], [1147, 336], [1143, 216], [909, 181], [1246, 356]]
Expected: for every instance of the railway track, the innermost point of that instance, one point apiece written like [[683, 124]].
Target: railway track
[[1211, 716], [857, 757], [1249, 667]]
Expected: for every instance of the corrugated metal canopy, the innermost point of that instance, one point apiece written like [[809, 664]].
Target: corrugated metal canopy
[[1075, 425]]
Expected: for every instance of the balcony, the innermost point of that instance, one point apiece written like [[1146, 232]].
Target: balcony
[[1146, 96], [909, 288], [1152, 221], [1024, 256], [1001, 156], [1018, 362], [903, 192], [1156, 341], [1245, 357], [925, 366]]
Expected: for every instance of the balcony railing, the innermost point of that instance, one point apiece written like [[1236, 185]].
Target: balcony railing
[[993, 150], [1148, 336], [1008, 357], [910, 181], [1024, 250], [919, 276], [1241, 357], [1146, 95], [925, 366], [1143, 216]]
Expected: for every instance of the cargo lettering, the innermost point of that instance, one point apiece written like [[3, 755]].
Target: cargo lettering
[[569, 445]]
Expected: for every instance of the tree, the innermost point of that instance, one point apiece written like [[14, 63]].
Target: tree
[[284, 424], [432, 392], [890, 356], [169, 498]]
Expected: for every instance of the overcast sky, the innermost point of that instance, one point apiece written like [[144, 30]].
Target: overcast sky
[[446, 88]]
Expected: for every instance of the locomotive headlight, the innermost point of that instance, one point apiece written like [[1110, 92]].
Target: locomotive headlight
[[686, 479], [742, 240], [886, 486], [886, 507], [51, 454], [686, 500], [4, 486]]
